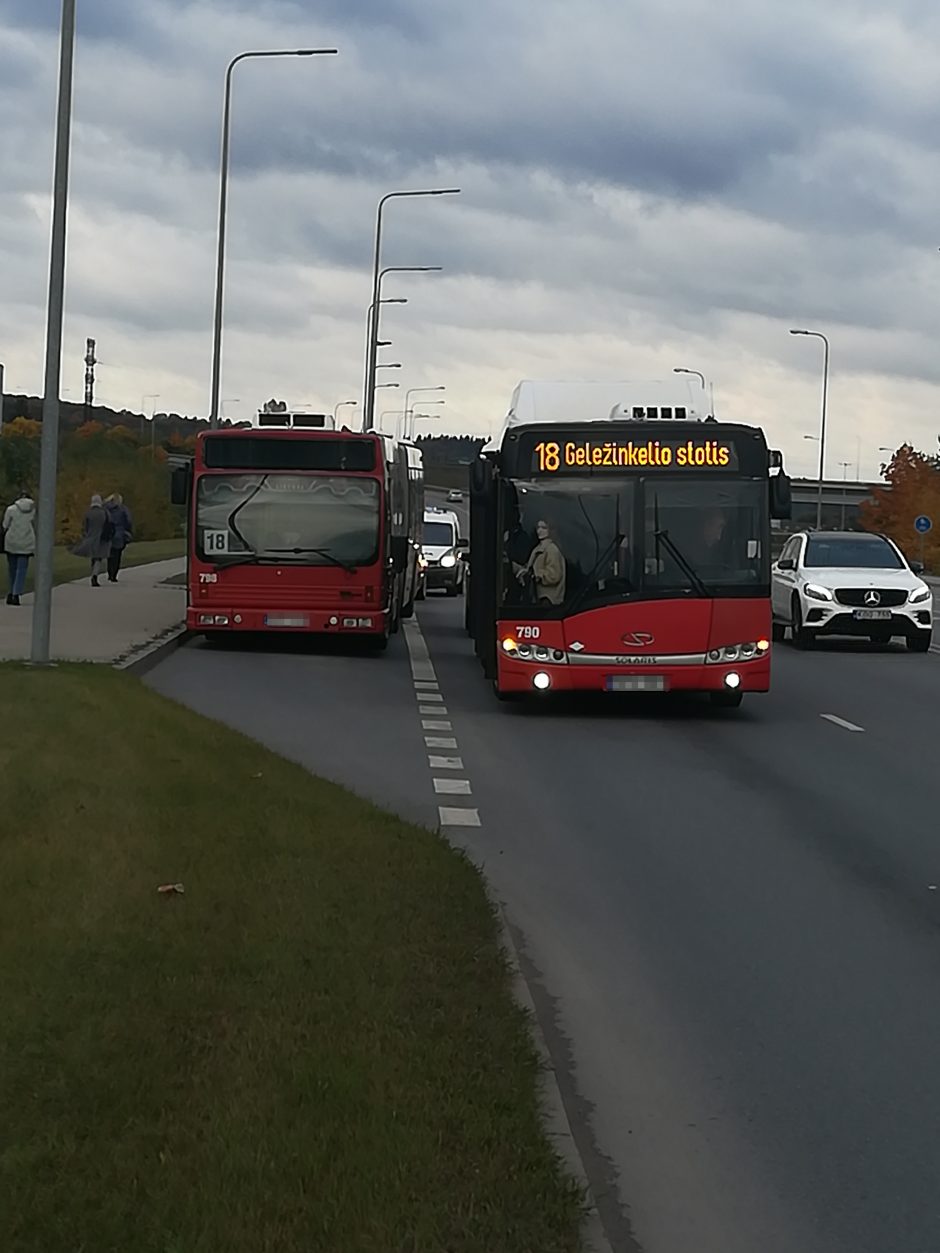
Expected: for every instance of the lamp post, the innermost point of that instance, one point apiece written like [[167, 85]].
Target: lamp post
[[410, 415], [223, 208], [342, 405], [45, 522], [822, 427], [373, 343], [154, 396], [711, 387], [368, 400], [413, 391]]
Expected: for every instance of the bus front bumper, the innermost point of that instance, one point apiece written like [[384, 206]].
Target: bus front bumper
[[343, 621], [535, 676]]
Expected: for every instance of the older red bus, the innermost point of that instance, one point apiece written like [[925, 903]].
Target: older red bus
[[294, 530]]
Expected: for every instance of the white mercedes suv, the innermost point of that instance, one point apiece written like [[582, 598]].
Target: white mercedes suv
[[849, 583]]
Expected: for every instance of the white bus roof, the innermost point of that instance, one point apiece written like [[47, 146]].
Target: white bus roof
[[586, 401]]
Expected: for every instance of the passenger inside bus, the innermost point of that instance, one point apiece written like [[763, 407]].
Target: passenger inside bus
[[545, 568]]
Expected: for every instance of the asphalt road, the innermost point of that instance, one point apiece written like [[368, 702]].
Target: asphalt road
[[731, 920]]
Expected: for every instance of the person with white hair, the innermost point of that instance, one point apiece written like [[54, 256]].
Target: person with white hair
[[95, 544]]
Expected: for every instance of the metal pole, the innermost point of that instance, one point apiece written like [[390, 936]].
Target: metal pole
[[45, 522], [822, 431], [2, 374], [223, 212]]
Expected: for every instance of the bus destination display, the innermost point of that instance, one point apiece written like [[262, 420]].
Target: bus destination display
[[595, 453]]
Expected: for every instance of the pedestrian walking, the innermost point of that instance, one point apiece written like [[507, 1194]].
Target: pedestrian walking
[[95, 543], [122, 534], [19, 542]]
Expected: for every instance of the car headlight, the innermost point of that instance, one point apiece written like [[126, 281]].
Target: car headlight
[[815, 592], [738, 652], [448, 560], [919, 595]]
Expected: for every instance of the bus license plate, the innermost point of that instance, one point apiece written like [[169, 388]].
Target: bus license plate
[[872, 615], [636, 683], [274, 620]]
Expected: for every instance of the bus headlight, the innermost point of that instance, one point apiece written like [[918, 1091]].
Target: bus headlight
[[738, 652], [732, 680], [541, 681]]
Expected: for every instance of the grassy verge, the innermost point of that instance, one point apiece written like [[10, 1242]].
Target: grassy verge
[[65, 567], [313, 1049]]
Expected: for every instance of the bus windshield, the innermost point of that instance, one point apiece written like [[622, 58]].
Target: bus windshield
[[312, 519], [581, 543]]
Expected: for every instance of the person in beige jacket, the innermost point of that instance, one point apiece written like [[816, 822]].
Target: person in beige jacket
[[19, 542], [546, 565]]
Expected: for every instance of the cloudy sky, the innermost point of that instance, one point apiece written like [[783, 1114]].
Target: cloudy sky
[[644, 185]]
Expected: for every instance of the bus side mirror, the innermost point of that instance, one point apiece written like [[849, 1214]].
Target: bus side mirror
[[400, 548], [180, 479], [781, 498]]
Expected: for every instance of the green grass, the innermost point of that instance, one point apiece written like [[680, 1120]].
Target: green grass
[[313, 1050], [65, 567]]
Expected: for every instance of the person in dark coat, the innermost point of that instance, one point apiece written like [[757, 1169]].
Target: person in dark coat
[[95, 543], [123, 533]]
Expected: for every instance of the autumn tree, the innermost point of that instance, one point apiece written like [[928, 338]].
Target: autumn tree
[[914, 489]]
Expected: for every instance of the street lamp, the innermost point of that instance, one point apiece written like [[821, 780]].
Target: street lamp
[[342, 405], [368, 400], [413, 391], [379, 386], [373, 343], [390, 413], [45, 522], [698, 374], [423, 417], [822, 427], [389, 365], [223, 208]]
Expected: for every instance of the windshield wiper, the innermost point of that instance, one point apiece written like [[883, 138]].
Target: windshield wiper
[[590, 581], [683, 564], [319, 552]]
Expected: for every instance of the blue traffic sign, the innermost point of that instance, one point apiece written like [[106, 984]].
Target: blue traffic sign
[[922, 524]]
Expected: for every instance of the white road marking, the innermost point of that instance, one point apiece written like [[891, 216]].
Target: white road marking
[[458, 817], [421, 667], [429, 695], [432, 683], [445, 763], [440, 741], [452, 787], [436, 724], [841, 722], [439, 710]]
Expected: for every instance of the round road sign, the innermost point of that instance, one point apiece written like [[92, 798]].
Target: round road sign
[[922, 524]]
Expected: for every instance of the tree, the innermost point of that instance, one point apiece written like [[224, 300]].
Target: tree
[[914, 480]]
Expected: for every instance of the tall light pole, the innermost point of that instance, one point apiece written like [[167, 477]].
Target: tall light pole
[[154, 396], [710, 386], [45, 521], [223, 209], [368, 400], [372, 322], [822, 427], [342, 405], [413, 391]]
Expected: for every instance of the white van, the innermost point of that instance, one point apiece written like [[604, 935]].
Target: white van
[[442, 550]]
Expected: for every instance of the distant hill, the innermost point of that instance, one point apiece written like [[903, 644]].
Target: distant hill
[[72, 416]]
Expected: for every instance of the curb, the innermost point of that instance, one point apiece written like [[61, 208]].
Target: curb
[[145, 659], [593, 1236]]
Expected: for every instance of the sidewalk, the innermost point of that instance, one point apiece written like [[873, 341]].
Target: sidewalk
[[101, 624]]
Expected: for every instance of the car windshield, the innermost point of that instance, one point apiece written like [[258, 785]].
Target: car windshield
[[290, 516], [854, 552], [586, 542], [438, 534]]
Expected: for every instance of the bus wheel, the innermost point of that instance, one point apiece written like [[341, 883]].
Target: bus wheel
[[726, 700], [379, 643], [505, 697]]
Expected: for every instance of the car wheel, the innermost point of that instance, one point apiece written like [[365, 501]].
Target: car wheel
[[778, 630], [919, 643], [726, 700], [800, 637]]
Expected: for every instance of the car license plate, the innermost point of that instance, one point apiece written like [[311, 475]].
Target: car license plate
[[274, 620], [635, 683], [872, 615]]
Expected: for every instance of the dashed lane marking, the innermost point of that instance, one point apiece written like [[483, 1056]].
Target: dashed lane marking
[[445, 763], [440, 741], [437, 724], [438, 710], [452, 787], [458, 817], [841, 722], [425, 695]]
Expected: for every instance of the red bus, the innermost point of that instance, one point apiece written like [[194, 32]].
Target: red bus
[[301, 531], [622, 544]]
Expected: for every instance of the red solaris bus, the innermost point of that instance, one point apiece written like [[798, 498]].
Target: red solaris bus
[[620, 542], [303, 531]]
